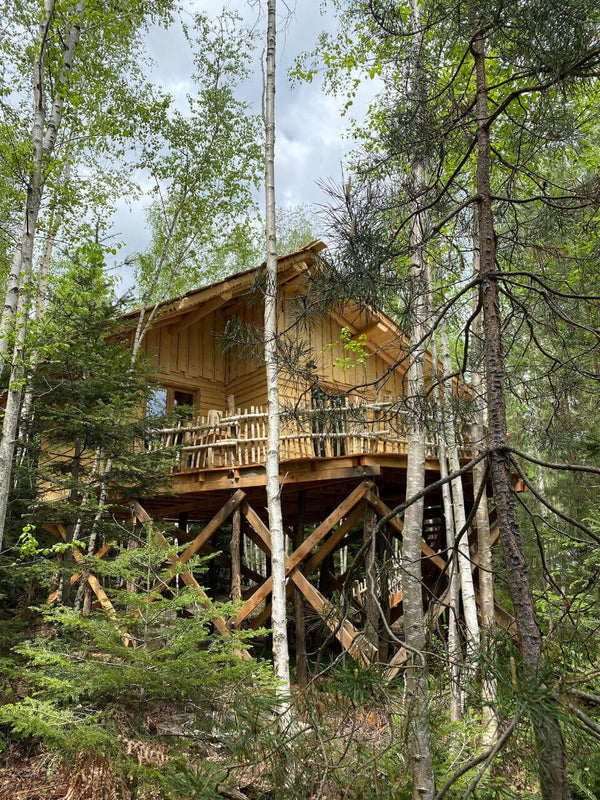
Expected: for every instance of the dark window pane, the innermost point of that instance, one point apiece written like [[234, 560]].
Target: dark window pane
[[182, 399]]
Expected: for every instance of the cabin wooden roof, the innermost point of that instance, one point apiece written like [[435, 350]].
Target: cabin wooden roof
[[180, 312], [383, 335], [221, 292]]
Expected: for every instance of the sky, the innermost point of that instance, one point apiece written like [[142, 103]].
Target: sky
[[311, 140]]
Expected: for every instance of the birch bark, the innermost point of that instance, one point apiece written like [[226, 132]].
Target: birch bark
[[278, 616], [43, 140], [417, 683], [454, 652], [44, 133], [460, 517], [484, 535]]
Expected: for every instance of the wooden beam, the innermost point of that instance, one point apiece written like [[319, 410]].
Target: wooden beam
[[353, 641], [372, 347], [397, 524], [77, 576], [306, 471], [323, 529], [191, 317], [305, 548], [205, 534], [315, 560], [186, 576], [334, 540], [235, 285]]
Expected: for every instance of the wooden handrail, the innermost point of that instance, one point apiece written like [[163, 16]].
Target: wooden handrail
[[355, 427]]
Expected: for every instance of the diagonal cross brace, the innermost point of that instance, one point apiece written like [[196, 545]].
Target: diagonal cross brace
[[301, 552], [186, 576], [354, 642]]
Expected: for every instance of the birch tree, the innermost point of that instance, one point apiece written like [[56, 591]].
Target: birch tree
[[459, 513], [279, 614], [78, 59], [417, 691], [477, 436]]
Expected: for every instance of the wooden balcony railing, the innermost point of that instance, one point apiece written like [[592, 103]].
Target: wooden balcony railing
[[350, 428]]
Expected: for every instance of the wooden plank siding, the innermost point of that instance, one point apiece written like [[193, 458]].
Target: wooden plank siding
[[190, 351], [192, 359]]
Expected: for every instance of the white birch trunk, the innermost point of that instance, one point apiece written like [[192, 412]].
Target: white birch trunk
[[484, 536], [454, 651], [460, 518], [10, 423], [417, 690], [40, 307], [44, 132], [417, 676], [278, 616]]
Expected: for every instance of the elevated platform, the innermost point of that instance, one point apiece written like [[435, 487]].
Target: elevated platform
[[338, 480]]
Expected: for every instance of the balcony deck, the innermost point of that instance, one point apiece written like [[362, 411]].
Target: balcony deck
[[321, 448], [353, 428]]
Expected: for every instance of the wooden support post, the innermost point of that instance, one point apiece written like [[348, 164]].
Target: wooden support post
[[350, 638], [372, 592], [86, 608], [236, 556], [301, 552], [384, 593], [313, 562], [301, 660], [143, 516], [426, 550]]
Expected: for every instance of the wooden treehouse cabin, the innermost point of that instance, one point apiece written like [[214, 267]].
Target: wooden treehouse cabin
[[343, 459]]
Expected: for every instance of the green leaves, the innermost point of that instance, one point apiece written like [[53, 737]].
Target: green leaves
[[204, 164]]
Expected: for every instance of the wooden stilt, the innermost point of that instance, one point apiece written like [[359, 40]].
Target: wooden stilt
[[86, 608], [218, 621], [353, 641], [384, 593], [372, 592], [299, 615], [236, 556], [301, 552], [314, 561]]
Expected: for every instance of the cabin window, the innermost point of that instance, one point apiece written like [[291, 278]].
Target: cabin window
[[157, 402], [167, 398], [182, 399]]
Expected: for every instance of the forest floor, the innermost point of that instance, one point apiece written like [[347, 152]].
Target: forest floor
[[31, 771]]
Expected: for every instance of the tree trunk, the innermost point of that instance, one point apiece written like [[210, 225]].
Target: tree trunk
[[40, 307], [278, 615], [44, 132], [484, 535], [454, 652], [10, 423], [417, 688], [460, 517], [417, 674], [372, 592], [549, 742], [95, 528]]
